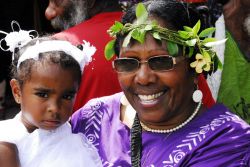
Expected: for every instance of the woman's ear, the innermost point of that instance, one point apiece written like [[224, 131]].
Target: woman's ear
[[16, 90]]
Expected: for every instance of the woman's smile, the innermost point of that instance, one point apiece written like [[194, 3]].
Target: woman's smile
[[150, 100]]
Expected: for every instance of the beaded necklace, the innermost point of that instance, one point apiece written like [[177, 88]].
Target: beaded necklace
[[175, 128]]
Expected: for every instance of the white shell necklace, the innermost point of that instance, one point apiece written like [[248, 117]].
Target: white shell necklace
[[175, 128]]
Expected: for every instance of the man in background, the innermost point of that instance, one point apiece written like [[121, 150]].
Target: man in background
[[88, 20]]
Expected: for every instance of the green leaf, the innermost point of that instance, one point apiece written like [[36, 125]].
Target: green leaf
[[191, 42], [117, 27], [172, 48], [191, 51], [197, 27], [156, 35], [109, 50], [127, 39], [217, 63], [220, 65], [138, 35], [184, 34], [206, 40], [206, 54], [141, 13], [148, 27], [154, 23], [188, 29], [207, 32]]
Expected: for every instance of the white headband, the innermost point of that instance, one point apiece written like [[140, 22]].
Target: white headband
[[83, 56]]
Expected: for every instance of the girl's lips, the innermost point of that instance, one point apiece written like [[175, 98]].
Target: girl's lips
[[51, 123]]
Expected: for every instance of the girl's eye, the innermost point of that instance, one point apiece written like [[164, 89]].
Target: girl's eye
[[68, 96], [42, 94]]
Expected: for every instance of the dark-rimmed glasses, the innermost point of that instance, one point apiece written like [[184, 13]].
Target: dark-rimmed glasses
[[156, 63]]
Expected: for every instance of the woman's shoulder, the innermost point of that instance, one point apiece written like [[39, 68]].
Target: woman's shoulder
[[95, 110], [220, 125], [221, 134], [99, 104], [220, 114]]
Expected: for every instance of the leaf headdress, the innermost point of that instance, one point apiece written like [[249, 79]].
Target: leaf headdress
[[190, 38]]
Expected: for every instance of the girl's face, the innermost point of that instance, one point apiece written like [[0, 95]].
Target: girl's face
[[158, 97], [47, 97]]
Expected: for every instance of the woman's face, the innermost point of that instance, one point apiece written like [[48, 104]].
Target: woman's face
[[158, 97]]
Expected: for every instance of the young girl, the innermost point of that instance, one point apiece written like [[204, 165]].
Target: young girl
[[46, 76]]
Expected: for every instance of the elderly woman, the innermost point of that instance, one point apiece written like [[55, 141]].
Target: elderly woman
[[166, 123]]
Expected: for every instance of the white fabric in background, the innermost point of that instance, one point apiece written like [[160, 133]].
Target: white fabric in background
[[215, 79]]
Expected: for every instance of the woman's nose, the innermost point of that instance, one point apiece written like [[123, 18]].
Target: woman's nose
[[51, 11], [145, 75]]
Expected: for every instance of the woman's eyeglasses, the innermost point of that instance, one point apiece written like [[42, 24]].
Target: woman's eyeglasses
[[156, 63]]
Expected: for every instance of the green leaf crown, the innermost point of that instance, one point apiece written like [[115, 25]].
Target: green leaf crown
[[189, 38]]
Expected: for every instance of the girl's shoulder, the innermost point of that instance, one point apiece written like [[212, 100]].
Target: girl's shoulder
[[12, 130]]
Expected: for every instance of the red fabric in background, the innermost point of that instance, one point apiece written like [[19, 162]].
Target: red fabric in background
[[208, 100], [98, 79]]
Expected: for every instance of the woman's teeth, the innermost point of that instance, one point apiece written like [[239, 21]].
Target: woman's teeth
[[149, 98]]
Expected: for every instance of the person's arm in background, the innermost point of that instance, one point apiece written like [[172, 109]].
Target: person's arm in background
[[8, 155]]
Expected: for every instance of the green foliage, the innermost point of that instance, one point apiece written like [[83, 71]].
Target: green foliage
[[207, 32], [196, 28], [206, 40], [191, 42], [141, 14], [139, 35], [172, 48], [127, 39], [117, 27], [109, 50], [185, 34], [156, 35], [187, 29], [191, 51]]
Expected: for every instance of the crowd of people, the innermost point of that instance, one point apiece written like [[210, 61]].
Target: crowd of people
[[130, 83]]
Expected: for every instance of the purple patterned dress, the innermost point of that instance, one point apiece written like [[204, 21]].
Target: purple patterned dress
[[216, 138]]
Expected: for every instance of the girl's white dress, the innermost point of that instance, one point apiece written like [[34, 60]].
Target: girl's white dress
[[55, 148], [12, 130]]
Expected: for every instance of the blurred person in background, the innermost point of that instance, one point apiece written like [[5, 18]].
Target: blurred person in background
[[231, 85], [88, 20]]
